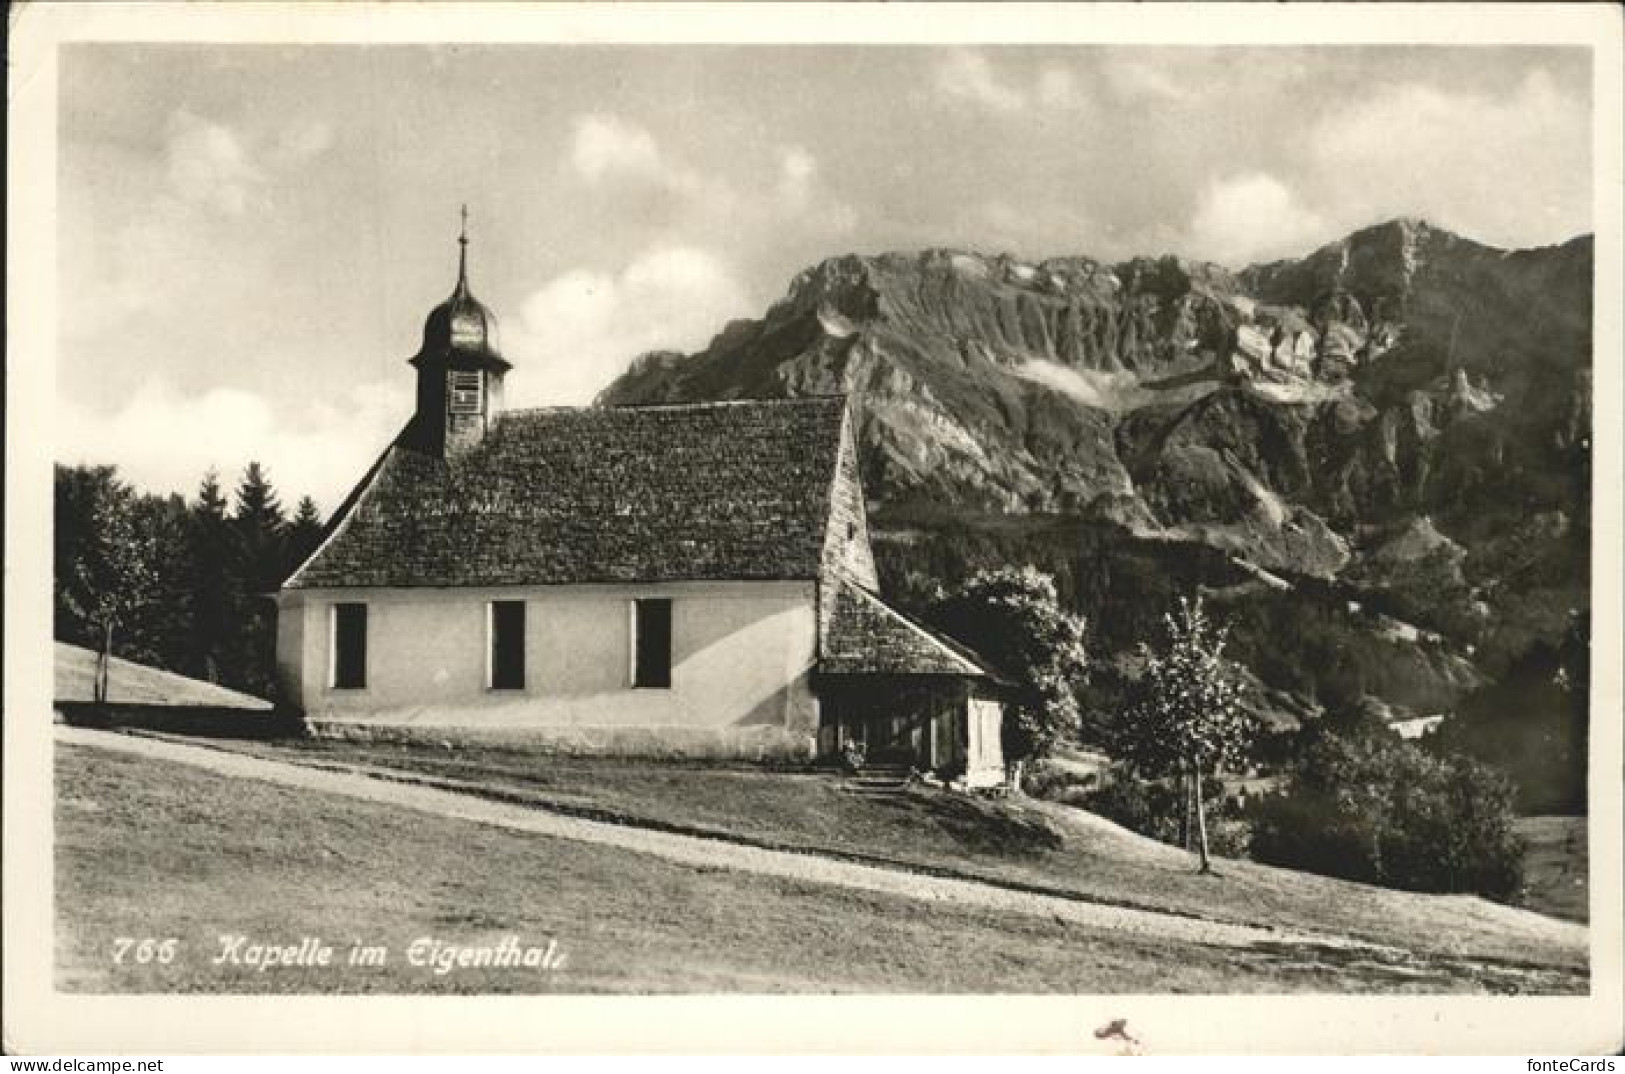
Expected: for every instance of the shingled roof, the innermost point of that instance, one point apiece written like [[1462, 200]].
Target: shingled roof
[[866, 636], [714, 491]]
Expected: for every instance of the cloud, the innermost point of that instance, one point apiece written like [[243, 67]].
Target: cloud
[[1247, 217], [1507, 166], [623, 165], [1136, 80], [584, 327], [801, 199], [774, 196], [210, 165], [1105, 391], [214, 164], [163, 440], [1512, 169], [969, 76], [605, 146], [1005, 219], [999, 224], [301, 142], [1058, 87], [798, 169]]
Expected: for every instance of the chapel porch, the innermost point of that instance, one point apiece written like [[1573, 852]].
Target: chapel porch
[[906, 695], [943, 725]]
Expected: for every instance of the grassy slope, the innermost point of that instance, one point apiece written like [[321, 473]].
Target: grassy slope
[[154, 849], [1555, 869], [137, 684], [1032, 843]]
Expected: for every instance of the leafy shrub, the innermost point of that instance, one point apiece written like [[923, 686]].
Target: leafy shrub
[[1055, 784], [1377, 809], [1014, 620], [1230, 837], [1156, 808], [1152, 809]]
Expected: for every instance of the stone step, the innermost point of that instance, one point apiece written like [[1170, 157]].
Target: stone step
[[879, 780], [879, 792]]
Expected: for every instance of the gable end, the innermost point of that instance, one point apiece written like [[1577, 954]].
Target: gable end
[[343, 513], [847, 553]]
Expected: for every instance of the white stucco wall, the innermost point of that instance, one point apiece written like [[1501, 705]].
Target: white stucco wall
[[741, 654], [984, 754]]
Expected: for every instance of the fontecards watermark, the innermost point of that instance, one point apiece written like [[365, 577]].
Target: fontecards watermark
[[438, 956]]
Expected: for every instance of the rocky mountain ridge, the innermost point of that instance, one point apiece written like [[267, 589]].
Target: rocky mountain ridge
[[1403, 414]]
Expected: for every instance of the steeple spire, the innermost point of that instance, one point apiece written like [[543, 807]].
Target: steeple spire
[[459, 367], [462, 257]]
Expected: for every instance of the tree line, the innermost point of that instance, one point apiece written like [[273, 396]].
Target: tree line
[[184, 585]]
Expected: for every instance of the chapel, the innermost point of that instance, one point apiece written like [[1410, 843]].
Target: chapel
[[690, 579]]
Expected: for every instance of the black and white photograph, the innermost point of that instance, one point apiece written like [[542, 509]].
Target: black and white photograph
[[869, 505]]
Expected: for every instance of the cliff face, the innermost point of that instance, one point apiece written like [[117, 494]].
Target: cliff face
[[1294, 416]]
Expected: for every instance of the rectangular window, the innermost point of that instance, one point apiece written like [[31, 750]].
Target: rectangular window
[[651, 643], [507, 630], [465, 392], [349, 646]]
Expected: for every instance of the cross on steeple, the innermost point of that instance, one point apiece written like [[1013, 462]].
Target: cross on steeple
[[459, 367], [462, 256]]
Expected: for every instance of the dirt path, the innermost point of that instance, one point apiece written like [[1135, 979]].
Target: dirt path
[[711, 853]]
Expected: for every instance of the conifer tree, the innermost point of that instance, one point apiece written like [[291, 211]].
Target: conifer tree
[[160, 631], [217, 602], [304, 533], [211, 502], [261, 529]]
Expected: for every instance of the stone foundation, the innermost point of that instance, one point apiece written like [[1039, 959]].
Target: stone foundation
[[757, 744]]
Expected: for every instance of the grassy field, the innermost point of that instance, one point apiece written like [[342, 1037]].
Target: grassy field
[[1032, 844], [137, 684], [1555, 867], [1027, 842], [152, 849]]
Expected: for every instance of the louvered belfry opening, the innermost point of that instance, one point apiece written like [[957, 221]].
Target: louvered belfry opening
[[460, 370]]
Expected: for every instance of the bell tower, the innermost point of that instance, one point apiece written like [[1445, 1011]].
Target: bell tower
[[460, 369]]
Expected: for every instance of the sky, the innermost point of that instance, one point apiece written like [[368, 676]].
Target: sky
[[250, 236]]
